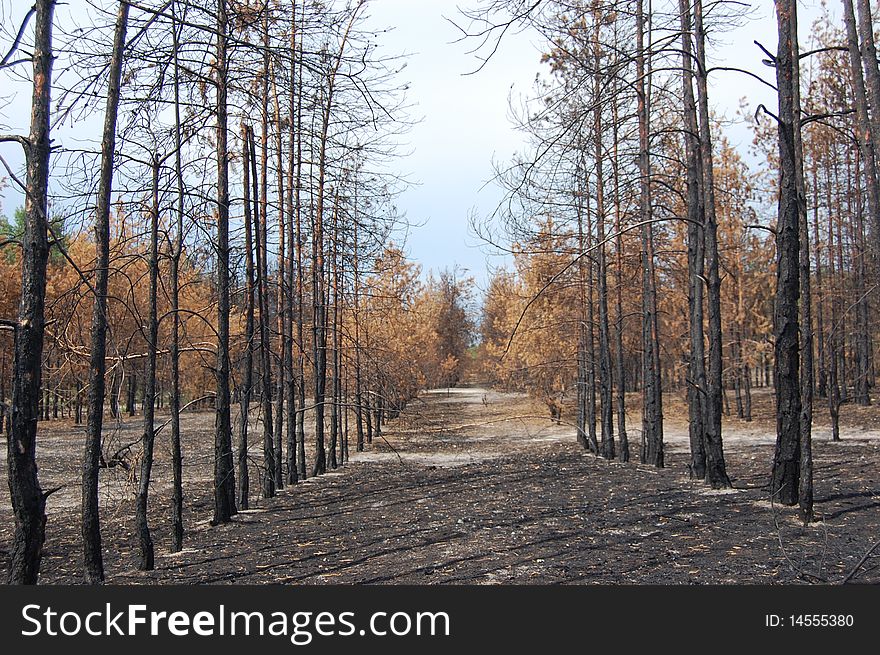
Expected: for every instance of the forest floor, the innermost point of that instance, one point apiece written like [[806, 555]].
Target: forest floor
[[471, 486]]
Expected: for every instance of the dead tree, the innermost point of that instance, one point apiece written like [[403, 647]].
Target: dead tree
[[292, 202], [145, 540], [28, 499], [224, 473], [245, 391], [93, 560], [785, 479], [259, 233], [696, 383], [872, 77], [606, 407], [652, 394], [716, 468], [177, 253]]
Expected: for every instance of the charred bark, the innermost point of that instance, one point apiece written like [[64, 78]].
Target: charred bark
[[93, 560], [224, 472], [785, 479], [28, 500], [145, 540]]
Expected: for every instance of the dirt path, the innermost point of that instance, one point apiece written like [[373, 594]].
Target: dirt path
[[477, 487]]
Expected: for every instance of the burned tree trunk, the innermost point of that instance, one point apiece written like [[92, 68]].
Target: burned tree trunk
[[807, 377], [224, 472], [586, 419], [590, 336], [145, 541], [696, 385], [300, 280], [619, 369], [606, 407], [259, 233], [863, 131], [785, 480], [868, 58], [292, 203], [28, 500], [356, 318], [652, 394], [282, 304], [93, 560], [319, 296], [3, 393], [716, 468], [247, 381], [176, 454], [834, 339], [334, 344]]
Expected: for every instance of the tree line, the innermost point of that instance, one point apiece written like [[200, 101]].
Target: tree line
[[647, 256], [227, 244]]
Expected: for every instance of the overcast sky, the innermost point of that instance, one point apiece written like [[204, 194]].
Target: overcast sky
[[465, 122]]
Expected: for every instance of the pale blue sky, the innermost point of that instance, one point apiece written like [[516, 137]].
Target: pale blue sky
[[465, 118], [464, 126]]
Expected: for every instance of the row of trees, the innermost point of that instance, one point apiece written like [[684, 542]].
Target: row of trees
[[630, 184], [228, 243]]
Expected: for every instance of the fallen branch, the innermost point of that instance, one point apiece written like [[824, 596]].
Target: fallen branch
[[861, 563]]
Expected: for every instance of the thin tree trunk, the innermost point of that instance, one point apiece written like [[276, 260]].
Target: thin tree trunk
[[620, 373], [863, 124], [224, 472], [319, 308], [246, 388], [93, 560], [346, 394], [822, 382], [605, 380], [738, 375], [3, 393], [872, 77], [652, 395], [368, 414], [176, 454], [716, 468], [583, 435], [379, 409], [293, 137], [358, 385], [282, 305], [834, 341], [591, 339], [145, 540], [115, 390], [334, 291], [259, 233], [300, 278], [843, 364], [131, 398], [263, 273], [861, 337]]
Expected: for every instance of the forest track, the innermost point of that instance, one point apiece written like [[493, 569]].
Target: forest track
[[473, 486]]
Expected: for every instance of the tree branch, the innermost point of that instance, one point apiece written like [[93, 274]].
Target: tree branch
[[18, 38]]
